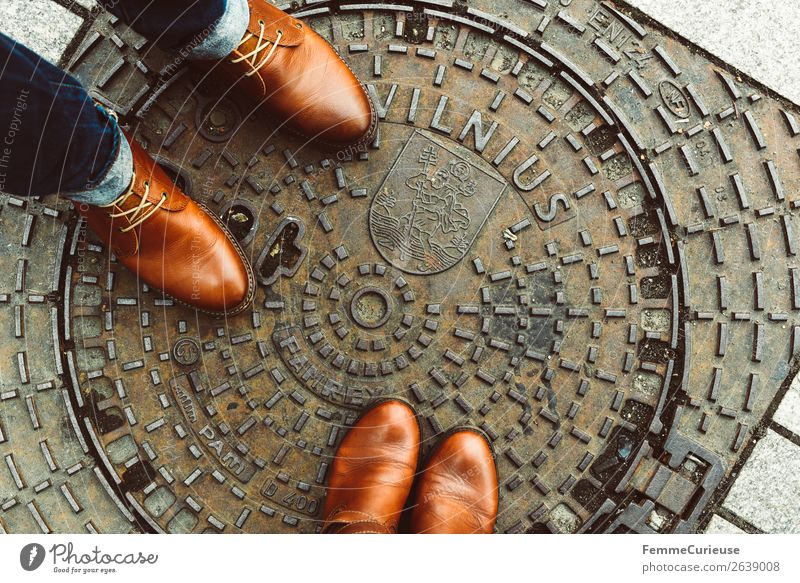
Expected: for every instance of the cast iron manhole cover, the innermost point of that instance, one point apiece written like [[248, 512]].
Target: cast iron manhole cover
[[570, 231]]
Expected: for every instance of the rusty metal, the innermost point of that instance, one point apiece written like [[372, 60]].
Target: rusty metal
[[571, 231]]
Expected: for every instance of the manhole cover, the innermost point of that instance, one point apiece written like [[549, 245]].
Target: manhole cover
[[550, 238]]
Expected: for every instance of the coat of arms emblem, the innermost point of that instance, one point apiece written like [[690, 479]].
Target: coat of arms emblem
[[431, 207]]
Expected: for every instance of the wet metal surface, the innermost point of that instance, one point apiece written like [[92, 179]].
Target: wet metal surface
[[570, 231]]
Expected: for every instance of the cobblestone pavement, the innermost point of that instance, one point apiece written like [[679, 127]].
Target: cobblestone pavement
[[620, 312]]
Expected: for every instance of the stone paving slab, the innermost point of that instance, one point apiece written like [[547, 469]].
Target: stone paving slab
[[767, 489], [759, 37], [788, 412], [42, 25], [719, 525]]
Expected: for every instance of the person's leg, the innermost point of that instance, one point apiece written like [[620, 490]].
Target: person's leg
[[198, 29], [53, 138]]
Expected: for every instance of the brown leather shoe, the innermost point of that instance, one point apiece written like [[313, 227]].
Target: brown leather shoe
[[172, 242], [457, 491], [373, 471], [286, 66]]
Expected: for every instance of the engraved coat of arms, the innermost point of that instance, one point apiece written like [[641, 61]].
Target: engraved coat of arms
[[431, 207]]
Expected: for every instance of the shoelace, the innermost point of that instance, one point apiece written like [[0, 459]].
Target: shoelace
[[260, 46], [141, 212]]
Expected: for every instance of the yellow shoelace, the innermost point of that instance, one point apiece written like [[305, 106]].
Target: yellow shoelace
[[141, 212], [260, 46]]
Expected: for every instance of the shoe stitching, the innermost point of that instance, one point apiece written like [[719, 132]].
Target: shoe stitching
[[369, 519]]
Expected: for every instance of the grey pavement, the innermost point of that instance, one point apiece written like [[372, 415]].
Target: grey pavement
[[788, 413], [42, 25], [759, 37], [719, 525], [767, 487]]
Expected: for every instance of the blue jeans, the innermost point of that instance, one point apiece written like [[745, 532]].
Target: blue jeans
[[55, 139]]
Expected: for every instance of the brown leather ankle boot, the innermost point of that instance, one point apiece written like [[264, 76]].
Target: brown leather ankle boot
[[282, 64], [457, 491], [373, 471], [172, 242]]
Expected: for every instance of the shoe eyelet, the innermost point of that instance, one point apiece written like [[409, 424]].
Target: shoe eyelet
[[298, 25], [261, 21], [279, 31]]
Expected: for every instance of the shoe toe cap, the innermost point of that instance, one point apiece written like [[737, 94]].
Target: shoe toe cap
[[341, 112], [228, 292], [355, 123], [469, 453], [390, 414], [221, 279], [235, 285], [344, 118]]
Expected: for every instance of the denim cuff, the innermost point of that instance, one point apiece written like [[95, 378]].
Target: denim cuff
[[113, 182], [224, 35]]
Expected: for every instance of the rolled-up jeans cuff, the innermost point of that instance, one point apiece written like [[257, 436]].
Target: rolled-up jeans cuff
[[224, 35], [113, 181]]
